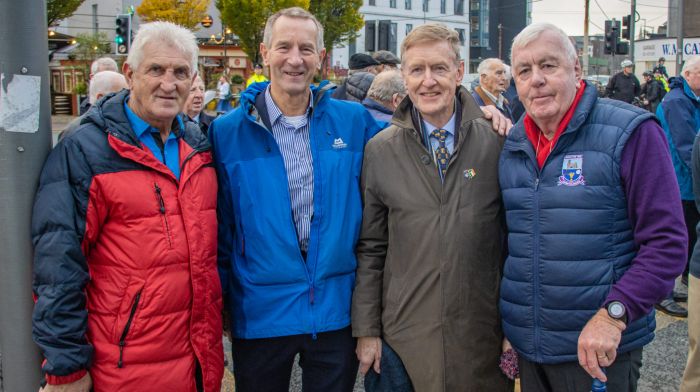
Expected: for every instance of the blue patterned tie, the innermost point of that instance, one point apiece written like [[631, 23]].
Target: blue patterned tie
[[442, 156]]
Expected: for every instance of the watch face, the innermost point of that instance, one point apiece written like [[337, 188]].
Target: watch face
[[616, 310]]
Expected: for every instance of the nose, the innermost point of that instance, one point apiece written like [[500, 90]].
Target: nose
[[428, 79], [295, 57], [537, 78], [168, 81]]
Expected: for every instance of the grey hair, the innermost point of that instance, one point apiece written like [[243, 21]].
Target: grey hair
[[486, 65], [164, 33], [691, 63], [292, 12], [386, 84], [105, 82], [533, 31], [103, 64]]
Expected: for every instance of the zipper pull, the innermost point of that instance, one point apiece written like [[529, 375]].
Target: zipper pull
[[120, 363], [311, 295], [160, 198], [537, 183]]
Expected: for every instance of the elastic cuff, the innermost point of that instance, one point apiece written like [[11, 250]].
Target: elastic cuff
[[67, 379]]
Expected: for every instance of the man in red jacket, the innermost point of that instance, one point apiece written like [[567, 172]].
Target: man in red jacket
[[124, 228]]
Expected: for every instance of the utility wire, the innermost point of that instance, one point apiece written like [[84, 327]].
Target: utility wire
[[601, 9]]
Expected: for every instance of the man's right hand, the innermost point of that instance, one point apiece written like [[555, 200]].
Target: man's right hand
[[82, 385], [369, 352]]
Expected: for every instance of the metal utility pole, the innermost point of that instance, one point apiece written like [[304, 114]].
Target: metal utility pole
[[679, 38], [500, 41], [585, 38], [633, 16], [25, 140]]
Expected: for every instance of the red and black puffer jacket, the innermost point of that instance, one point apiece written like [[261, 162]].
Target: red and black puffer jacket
[[125, 273]]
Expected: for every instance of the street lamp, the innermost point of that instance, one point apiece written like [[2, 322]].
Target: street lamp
[[225, 35]]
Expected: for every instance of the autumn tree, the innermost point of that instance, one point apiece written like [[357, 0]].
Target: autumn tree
[[341, 20], [57, 10], [246, 18], [186, 13]]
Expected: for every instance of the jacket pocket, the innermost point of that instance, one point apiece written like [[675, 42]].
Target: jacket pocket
[[125, 319], [163, 215]]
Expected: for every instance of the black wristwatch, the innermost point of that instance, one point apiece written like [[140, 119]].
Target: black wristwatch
[[617, 311]]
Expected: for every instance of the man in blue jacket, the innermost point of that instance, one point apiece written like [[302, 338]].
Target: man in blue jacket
[[679, 114], [288, 161], [595, 224]]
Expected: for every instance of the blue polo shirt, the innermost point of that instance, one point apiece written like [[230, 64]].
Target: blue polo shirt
[[169, 155]]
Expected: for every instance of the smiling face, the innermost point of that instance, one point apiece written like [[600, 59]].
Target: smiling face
[[160, 85], [195, 101], [432, 74], [293, 55], [546, 79]]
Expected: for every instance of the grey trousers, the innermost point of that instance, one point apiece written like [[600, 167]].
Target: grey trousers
[[571, 377]]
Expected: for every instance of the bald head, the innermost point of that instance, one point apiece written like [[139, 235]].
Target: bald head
[[104, 83]]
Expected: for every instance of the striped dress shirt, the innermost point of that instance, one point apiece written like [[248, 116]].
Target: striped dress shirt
[[292, 137]]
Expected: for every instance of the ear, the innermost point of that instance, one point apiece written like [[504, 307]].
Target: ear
[[321, 55], [577, 69], [263, 53], [128, 73], [460, 72]]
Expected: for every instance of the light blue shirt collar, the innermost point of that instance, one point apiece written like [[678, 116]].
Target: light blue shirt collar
[[449, 127]]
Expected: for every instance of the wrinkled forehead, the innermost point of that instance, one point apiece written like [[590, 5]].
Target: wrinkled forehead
[[302, 27]]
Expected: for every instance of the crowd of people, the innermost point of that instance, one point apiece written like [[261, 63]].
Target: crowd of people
[[431, 237]]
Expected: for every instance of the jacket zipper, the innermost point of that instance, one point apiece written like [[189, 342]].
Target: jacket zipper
[[161, 209], [122, 339]]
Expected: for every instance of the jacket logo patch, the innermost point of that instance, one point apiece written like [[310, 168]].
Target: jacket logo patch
[[572, 171], [469, 174], [339, 144]]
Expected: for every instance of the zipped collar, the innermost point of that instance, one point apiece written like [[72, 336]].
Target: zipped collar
[[109, 115]]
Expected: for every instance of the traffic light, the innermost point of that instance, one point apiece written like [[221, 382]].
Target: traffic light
[[122, 38], [612, 36], [626, 27]]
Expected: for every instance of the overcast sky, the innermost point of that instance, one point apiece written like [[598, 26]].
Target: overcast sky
[[568, 14]]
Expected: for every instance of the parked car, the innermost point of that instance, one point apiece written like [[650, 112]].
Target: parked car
[[600, 81]]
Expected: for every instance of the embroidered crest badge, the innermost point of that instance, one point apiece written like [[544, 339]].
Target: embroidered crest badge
[[469, 174], [572, 171]]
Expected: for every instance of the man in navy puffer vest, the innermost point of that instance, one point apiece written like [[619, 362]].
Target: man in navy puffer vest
[[596, 232]]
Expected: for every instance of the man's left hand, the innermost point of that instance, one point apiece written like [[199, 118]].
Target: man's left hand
[[499, 122], [597, 344]]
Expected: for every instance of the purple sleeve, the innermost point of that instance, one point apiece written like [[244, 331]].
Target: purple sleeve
[[654, 208]]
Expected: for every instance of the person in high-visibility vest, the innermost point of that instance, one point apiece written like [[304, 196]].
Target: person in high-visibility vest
[[257, 77]]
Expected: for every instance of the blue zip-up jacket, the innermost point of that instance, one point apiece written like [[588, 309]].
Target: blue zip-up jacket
[[569, 235], [679, 114], [269, 289]]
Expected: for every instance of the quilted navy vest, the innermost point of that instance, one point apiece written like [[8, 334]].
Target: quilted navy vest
[[569, 235]]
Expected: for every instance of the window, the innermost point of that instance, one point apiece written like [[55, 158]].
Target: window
[[443, 6], [352, 47], [475, 5], [392, 3], [409, 27], [372, 2], [67, 82], [462, 37], [408, 4], [370, 28], [459, 7], [425, 5]]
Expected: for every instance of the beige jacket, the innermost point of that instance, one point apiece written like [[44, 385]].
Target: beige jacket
[[430, 254]]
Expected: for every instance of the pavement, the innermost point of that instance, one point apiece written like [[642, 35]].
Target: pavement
[[663, 363]]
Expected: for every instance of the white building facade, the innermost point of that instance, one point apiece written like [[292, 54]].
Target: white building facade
[[387, 22]]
